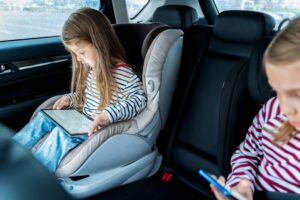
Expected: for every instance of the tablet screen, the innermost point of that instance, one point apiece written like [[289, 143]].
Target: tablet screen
[[71, 120]]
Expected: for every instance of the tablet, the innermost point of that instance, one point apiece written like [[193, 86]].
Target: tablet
[[226, 191], [71, 120]]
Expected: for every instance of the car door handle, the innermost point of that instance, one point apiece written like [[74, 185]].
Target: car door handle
[[7, 68]]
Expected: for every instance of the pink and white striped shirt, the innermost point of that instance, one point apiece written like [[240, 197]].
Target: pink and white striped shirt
[[268, 165]]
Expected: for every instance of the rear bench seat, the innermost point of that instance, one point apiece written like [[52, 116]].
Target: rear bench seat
[[217, 109]]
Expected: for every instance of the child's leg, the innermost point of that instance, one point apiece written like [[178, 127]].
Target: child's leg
[[34, 131], [56, 146]]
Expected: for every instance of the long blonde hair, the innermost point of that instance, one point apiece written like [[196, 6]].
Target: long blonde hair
[[89, 25], [284, 48]]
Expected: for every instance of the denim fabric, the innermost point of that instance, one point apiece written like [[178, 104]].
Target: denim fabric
[[55, 147]]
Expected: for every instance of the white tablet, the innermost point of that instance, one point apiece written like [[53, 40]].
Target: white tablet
[[72, 121]]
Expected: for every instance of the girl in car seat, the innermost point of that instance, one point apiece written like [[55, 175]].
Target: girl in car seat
[[103, 87], [268, 159]]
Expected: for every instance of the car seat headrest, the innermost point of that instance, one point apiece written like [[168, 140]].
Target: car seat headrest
[[235, 32], [243, 26], [150, 37], [176, 16]]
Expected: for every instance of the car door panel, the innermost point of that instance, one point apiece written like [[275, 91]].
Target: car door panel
[[31, 71]]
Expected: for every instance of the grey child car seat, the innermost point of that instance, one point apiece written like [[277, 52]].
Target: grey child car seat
[[124, 152]]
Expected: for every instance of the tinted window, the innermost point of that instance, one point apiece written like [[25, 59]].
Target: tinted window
[[135, 6], [278, 9], [22, 19]]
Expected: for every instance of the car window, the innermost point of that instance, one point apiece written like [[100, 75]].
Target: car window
[[279, 10], [135, 6], [23, 19]]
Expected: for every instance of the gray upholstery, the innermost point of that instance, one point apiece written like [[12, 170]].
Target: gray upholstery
[[125, 151], [46, 105]]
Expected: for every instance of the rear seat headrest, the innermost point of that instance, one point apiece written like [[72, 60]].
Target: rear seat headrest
[[150, 37], [176, 16], [242, 26], [235, 32]]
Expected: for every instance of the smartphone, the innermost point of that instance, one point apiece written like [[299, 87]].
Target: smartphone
[[226, 191]]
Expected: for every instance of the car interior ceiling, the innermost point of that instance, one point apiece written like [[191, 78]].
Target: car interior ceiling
[[220, 89]]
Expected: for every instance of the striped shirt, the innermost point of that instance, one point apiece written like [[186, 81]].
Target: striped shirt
[[128, 98], [268, 165]]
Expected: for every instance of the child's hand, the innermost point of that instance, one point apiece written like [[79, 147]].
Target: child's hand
[[99, 121], [243, 187], [62, 102]]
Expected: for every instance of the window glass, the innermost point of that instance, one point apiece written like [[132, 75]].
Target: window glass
[[23, 19], [135, 6], [278, 9]]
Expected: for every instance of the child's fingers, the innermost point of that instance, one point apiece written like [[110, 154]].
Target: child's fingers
[[56, 104], [217, 193], [94, 127], [91, 131], [221, 180], [59, 104], [214, 176]]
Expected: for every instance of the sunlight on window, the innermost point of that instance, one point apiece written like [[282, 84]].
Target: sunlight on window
[[135, 6], [278, 9], [22, 19]]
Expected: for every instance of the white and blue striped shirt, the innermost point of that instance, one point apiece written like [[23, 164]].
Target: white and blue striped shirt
[[127, 100]]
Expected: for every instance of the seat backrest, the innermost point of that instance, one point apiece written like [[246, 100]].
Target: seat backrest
[[161, 69], [218, 97], [176, 16]]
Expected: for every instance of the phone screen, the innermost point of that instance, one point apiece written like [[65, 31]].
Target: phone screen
[[227, 192], [215, 183]]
